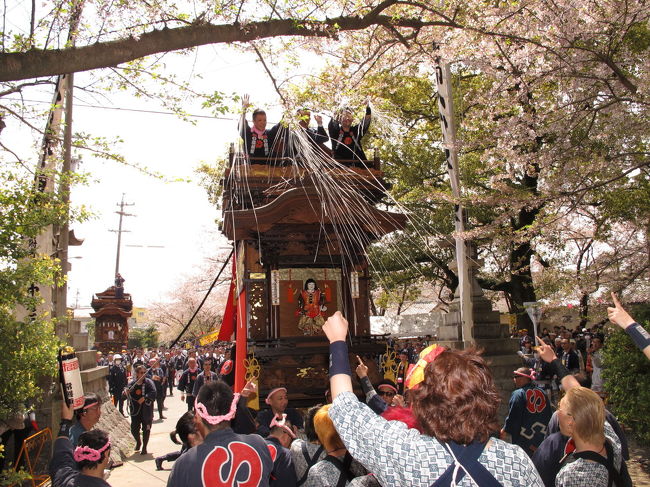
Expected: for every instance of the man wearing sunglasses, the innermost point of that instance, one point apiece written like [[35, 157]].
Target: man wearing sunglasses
[[386, 394]]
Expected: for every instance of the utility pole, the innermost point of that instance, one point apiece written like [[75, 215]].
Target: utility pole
[[119, 231], [448, 126]]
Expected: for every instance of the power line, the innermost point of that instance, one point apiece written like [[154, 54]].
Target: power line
[[155, 112]]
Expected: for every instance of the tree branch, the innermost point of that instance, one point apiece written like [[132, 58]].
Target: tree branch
[[268, 71], [19, 88], [39, 63]]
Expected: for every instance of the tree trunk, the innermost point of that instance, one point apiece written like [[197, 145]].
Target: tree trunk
[[521, 284], [584, 310]]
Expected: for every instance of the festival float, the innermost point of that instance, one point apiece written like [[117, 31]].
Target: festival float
[[301, 228]]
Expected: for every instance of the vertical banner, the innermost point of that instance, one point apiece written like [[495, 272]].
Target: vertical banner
[[70, 377], [354, 284], [275, 287]]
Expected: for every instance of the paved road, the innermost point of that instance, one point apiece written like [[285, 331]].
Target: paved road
[[140, 469]]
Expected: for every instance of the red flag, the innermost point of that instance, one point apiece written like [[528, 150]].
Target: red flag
[[228, 322]]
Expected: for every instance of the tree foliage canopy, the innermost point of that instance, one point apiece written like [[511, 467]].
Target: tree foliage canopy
[[29, 346], [551, 98]]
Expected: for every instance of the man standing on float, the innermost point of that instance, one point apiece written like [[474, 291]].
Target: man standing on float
[[346, 138], [258, 142]]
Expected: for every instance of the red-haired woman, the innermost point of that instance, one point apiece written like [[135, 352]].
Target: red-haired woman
[[456, 408]]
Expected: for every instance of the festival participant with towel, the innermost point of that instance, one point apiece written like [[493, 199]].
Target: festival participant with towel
[[84, 465], [187, 381], [258, 141], [593, 454], [224, 457], [529, 412], [346, 138], [141, 394], [456, 406], [159, 377], [338, 468], [385, 395], [279, 441], [277, 401], [186, 431], [87, 417], [204, 377]]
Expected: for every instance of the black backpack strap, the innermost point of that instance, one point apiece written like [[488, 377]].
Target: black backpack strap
[[343, 467], [467, 457], [305, 453], [608, 463], [310, 461], [317, 454]]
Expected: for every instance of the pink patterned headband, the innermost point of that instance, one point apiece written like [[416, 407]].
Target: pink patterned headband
[[202, 411], [530, 375], [268, 397], [87, 453], [90, 404], [282, 424]]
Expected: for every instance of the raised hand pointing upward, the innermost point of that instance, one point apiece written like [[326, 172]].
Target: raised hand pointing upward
[[618, 315], [362, 369], [639, 335]]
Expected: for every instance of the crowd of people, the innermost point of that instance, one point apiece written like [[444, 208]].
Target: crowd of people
[[579, 349], [443, 429], [141, 380]]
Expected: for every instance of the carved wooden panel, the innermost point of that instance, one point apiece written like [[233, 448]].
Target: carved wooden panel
[[257, 310]]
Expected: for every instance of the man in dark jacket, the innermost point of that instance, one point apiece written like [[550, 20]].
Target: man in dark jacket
[[529, 412], [224, 457], [346, 138], [187, 381], [142, 394], [117, 382]]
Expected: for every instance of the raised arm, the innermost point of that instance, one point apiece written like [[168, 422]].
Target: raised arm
[[243, 124], [336, 330], [334, 126], [320, 136], [373, 401], [639, 335], [63, 468], [365, 123], [547, 354]]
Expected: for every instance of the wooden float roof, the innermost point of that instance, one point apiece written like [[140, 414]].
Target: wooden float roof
[[305, 208]]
